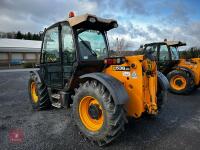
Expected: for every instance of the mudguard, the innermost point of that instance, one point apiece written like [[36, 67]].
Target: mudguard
[[114, 86], [186, 70], [37, 75]]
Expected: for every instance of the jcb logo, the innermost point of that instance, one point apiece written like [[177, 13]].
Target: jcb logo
[[121, 68]]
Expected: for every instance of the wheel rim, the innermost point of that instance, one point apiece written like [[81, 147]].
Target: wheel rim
[[91, 113], [178, 82], [34, 93]]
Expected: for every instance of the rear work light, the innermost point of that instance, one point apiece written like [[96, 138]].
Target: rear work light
[[92, 19], [114, 61]]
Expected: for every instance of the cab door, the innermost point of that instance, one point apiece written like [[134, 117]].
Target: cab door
[[51, 66], [164, 60], [68, 53]]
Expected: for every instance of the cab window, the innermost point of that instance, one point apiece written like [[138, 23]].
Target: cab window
[[50, 51], [174, 53], [92, 45], [153, 49], [164, 53], [67, 45]]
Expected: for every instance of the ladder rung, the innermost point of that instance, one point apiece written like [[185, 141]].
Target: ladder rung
[[57, 105], [56, 96]]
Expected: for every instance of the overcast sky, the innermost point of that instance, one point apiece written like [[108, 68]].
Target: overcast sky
[[140, 21]]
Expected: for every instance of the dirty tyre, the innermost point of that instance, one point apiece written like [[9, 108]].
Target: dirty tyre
[[180, 82], [103, 120], [38, 94], [161, 98], [196, 87], [162, 91]]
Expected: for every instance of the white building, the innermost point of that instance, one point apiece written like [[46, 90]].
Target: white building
[[16, 52]]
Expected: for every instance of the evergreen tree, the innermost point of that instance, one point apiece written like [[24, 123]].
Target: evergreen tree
[[29, 36], [35, 37], [19, 35]]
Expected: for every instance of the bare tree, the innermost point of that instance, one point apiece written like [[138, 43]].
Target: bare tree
[[121, 44]]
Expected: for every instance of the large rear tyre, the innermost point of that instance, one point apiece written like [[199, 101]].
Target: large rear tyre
[[180, 82], [96, 114], [162, 91], [38, 94]]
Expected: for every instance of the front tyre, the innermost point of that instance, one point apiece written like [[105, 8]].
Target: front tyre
[[96, 114], [38, 94], [180, 82], [162, 91]]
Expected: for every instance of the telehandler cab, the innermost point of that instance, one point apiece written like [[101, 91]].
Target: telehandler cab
[[183, 74], [76, 71]]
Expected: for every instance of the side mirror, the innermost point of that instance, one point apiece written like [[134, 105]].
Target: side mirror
[[141, 46]]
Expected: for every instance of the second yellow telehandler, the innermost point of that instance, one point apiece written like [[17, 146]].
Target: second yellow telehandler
[[183, 74]]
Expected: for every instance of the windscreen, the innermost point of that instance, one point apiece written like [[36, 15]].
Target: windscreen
[[92, 45]]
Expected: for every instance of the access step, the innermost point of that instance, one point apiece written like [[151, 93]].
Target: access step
[[57, 105], [56, 96]]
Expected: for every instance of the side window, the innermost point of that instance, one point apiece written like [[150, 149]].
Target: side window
[[174, 53], [50, 51], [164, 54], [154, 50], [68, 45]]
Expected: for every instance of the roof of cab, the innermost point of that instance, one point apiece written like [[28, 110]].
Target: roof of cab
[[82, 20], [175, 43], [73, 21], [169, 43]]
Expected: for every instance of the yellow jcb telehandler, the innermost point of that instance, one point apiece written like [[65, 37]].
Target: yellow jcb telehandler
[[76, 71]]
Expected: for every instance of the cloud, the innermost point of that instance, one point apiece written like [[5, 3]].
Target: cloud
[[135, 7], [39, 13], [139, 21], [171, 12], [137, 35]]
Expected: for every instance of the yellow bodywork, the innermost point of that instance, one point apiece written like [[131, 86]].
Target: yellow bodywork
[[194, 65], [34, 92], [140, 86], [197, 61]]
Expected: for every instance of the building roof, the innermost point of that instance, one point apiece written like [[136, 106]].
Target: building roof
[[16, 45]]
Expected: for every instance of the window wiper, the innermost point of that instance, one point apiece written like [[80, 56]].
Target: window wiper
[[90, 50]]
